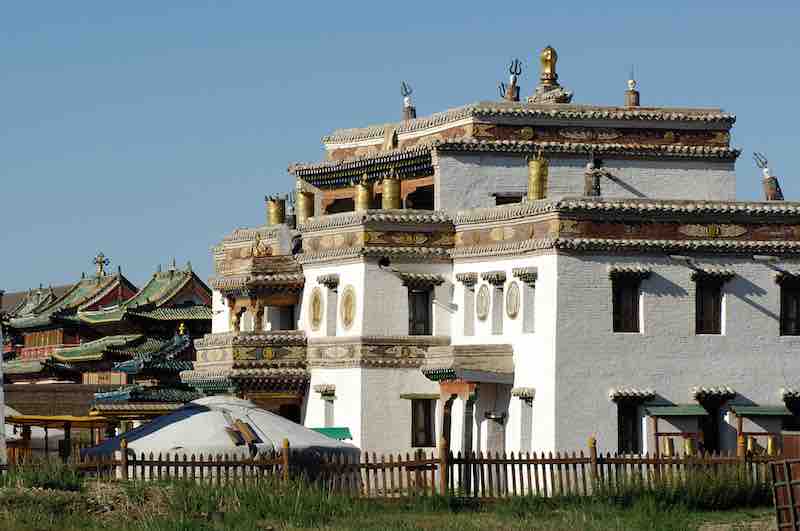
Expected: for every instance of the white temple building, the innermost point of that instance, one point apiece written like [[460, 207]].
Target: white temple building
[[518, 276]]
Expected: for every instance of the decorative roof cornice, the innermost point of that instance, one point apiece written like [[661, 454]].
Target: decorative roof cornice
[[632, 207], [419, 280], [589, 148], [790, 394], [528, 275], [468, 279], [721, 392], [330, 281], [710, 246], [631, 393], [524, 393], [249, 234], [394, 217], [405, 253], [629, 272], [243, 282], [325, 389], [543, 112], [252, 339], [712, 273], [496, 278]]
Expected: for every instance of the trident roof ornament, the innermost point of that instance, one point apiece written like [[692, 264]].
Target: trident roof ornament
[[511, 92]]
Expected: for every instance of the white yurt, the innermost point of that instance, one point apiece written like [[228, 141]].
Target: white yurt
[[222, 425]]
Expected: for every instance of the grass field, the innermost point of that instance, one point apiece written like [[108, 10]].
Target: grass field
[[56, 498]]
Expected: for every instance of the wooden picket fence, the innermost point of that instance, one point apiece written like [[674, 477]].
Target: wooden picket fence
[[475, 475], [786, 492]]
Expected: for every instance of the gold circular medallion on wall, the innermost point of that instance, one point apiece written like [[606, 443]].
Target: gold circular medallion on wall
[[482, 302], [315, 308], [348, 310], [512, 300]]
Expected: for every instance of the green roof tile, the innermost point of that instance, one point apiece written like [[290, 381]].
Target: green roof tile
[[681, 410]]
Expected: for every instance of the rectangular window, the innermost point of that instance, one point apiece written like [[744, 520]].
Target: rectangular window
[[629, 433], [625, 302], [419, 312], [708, 306], [790, 309], [422, 422]]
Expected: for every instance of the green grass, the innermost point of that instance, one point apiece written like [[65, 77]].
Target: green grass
[[187, 506]]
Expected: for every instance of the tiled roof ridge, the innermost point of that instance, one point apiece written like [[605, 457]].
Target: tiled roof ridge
[[628, 206], [531, 146], [540, 111]]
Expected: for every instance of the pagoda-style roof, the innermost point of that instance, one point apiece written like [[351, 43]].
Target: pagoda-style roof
[[138, 352], [174, 295], [140, 394], [85, 294], [29, 302]]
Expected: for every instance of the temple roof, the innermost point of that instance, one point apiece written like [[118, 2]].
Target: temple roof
[[537, 111], [86, 292], [153, 299], [143, 352], [18, 304]]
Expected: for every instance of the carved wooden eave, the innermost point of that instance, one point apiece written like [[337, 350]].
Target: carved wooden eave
[[471, 363], [720, 392], [371, 351], [631, 394], [248, 285]]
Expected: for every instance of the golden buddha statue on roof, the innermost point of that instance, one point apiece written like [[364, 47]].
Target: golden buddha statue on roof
[[548, 59]]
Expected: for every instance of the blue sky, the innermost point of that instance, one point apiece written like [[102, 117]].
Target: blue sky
[[151, 129]]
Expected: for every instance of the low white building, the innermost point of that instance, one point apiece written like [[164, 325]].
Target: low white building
[[623, 294]]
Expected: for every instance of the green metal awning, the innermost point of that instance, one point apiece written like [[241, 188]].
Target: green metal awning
[[680, 410], [340, 434], [761, 411]]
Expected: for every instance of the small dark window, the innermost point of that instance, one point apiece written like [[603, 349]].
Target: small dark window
[[790, 309], [422, 417], [709, 427], [708, 314], [626, 303], [629, 438], [286, 320], [508, 198], [419, 312]]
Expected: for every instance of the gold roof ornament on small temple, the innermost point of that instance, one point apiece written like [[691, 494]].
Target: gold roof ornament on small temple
[[548, 90], [548, 59]]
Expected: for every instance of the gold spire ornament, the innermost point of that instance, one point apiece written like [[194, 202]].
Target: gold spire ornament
[[548, 59], [548, 90]]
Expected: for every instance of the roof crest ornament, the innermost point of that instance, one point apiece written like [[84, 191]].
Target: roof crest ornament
[[409, 111], [511, 92], [772, 187], [548, 90], [100, 261]]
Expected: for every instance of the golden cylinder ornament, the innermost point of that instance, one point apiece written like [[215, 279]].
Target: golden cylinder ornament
[[390, 193], [363, 199], [669, 447], [688, 446], [772, 446], [751, 445], [304, 207], [538, 169], [276, 210]]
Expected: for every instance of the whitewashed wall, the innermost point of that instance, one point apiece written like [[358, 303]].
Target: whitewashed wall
[[220, 320], [468, 180], [534, 353], [667, 355]]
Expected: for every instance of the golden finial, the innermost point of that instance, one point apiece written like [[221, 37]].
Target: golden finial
[[548, 59], [182, 329]]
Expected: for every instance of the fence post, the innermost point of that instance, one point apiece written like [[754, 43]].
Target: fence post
[[444, 450], [285, 460], [593, 458], [123, 446]]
